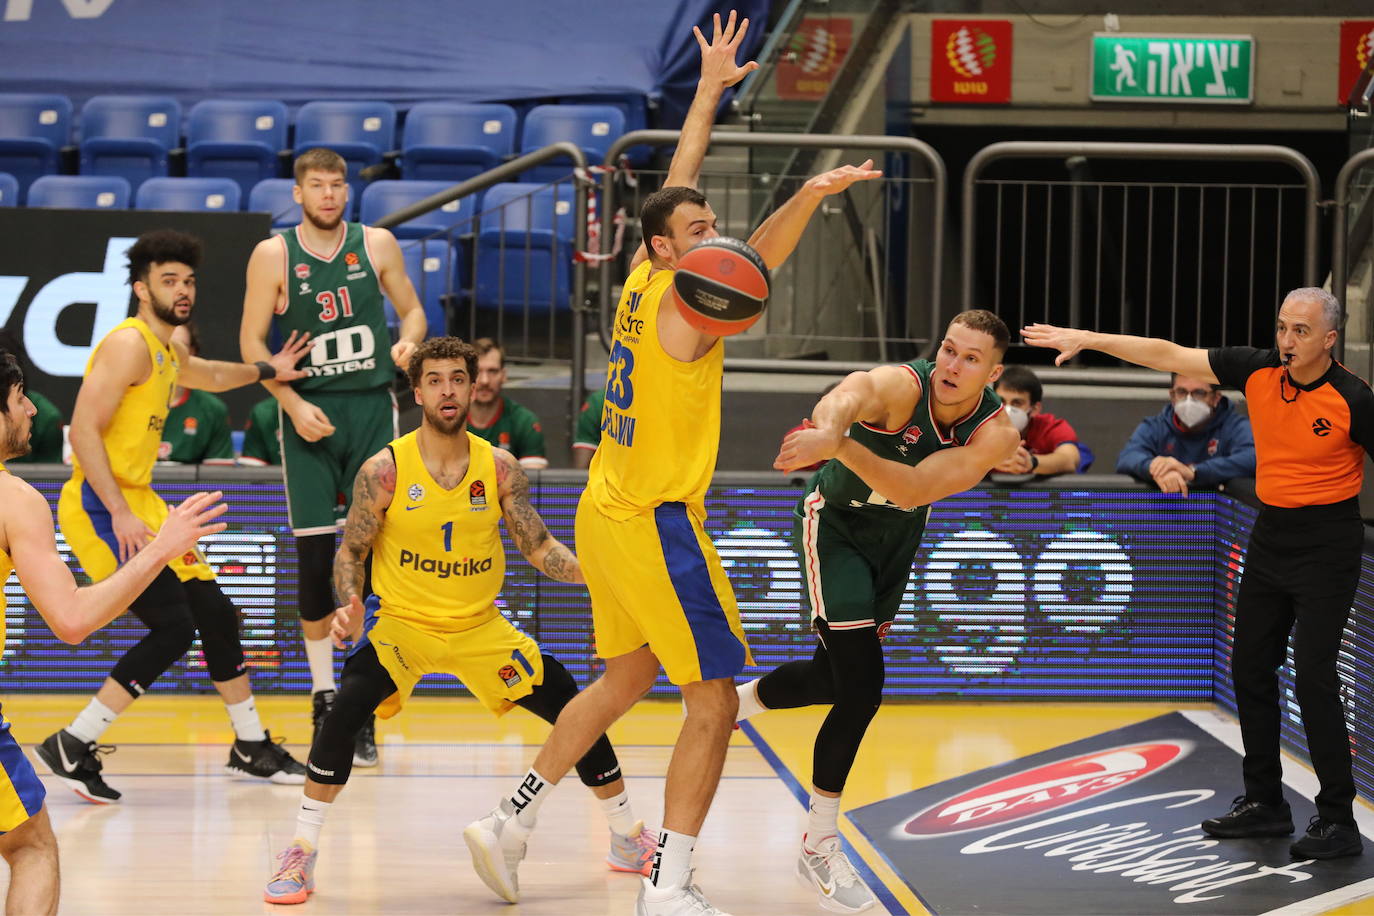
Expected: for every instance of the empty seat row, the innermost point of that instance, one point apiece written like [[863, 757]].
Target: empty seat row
[[132, 136]]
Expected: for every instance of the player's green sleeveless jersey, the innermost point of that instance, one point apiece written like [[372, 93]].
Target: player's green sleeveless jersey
[[336, 298], [846, 494]]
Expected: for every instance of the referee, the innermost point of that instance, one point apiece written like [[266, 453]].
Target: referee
[[1313, 422]]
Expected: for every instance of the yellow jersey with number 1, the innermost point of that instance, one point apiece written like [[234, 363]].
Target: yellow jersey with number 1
[[660, 428], [438, 561]]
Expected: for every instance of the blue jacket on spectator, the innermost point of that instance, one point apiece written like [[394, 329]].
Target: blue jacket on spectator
[[1220, 451]]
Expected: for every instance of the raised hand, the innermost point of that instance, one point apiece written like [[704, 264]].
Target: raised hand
[[347, 622], [285, 359], [191, 521], [838, 180], [718, 55], [1068, 341]]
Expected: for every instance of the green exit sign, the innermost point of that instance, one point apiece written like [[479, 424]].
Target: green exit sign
[[1191, 69]]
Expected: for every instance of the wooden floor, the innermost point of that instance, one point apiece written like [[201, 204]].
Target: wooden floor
[[190, 839]]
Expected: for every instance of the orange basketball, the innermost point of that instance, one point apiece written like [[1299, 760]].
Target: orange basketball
[[721, 286]]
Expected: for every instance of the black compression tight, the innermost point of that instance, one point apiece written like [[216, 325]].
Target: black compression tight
[[845, 672]]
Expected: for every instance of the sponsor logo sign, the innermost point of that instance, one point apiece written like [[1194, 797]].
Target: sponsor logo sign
[[1109, 824], [1357, 47], [970, 61], [813, 57]]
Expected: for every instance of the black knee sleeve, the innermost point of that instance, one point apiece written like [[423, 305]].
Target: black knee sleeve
[[363, 687], [315, 556], [164, 610], [856, 662], [800, 683], [599, 766], [218, 622]]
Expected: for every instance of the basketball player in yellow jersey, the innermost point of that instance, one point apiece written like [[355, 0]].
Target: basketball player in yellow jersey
[[427, 508], [27, 547], [659, 593], [108, 511]]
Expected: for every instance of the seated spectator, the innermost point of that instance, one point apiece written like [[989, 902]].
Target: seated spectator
[[1198, 440], [1048, 443], [588, 435], [45, 444], [499, 420], [261, 439], [197, 425]]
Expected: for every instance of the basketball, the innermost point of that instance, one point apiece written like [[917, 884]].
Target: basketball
[[721, 286]]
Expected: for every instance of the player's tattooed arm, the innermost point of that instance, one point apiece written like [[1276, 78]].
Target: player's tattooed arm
[[372, 491], [544, 551]]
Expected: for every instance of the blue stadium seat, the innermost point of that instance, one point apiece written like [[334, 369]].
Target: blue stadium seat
[[9, 190], [81, 192], [433, 267], [383, 197], [452, 141], [189, 194], [358, 131], [235, 138], [273, 195], [33, 130], [635, 107], [524, 247], [129, 136], [592, 127]]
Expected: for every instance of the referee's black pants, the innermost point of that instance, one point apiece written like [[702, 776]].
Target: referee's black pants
[[1302, 567]]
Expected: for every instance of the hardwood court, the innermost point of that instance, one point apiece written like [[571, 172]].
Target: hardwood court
[[190, 839]]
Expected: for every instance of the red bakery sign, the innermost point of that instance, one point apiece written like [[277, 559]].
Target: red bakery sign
[[970, 61]]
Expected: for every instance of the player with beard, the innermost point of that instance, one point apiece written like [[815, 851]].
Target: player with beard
[[27, 547], [109, 511], [901, 438], [422, 507], [326, 278]]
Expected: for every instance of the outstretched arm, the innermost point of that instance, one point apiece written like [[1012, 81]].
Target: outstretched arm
[[718, 73], [544, 551], [777, 236], [74, 613], [219, 375], [948, 471], [863, 396], [1151, 352]]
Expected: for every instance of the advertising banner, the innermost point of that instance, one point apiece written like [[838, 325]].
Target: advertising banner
[[970, 61]]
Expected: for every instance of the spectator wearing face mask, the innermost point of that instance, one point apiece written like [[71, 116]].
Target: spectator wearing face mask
[[1049, 444], [1197, 441]]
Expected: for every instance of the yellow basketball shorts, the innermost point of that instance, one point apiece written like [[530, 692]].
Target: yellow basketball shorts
[[21, 792], [656, 579], [494, 660], [86, 525]]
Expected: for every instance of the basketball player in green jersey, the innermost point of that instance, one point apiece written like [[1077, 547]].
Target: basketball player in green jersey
[[329, 276], [898, 438]]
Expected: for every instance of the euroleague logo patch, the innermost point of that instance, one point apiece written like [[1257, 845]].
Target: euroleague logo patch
[[509, 675], [1036, 791]]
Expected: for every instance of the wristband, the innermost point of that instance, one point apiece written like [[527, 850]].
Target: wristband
[[265, 370], [1035, 463]]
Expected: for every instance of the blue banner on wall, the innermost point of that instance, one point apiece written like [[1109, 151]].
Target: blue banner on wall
[[402, 52]]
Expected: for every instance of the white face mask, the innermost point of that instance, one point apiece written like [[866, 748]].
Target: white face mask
[[1018, 417], [1192, 413]]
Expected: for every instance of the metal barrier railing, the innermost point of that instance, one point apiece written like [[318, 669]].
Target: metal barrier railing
[[927, 248], [1341, 240], [1159, 265]]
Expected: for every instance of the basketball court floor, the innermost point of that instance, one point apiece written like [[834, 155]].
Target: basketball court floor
[[189, 839]]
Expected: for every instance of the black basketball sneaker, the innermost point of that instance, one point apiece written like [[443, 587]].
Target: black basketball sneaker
[[265, 759], [76, 764], [365, 745]]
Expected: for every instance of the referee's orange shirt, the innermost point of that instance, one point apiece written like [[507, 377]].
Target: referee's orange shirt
[[1310, 440]]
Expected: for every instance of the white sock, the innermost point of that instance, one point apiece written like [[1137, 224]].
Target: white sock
[[619, 814], [310, 819], [247, 725], [92, 722], [822, 820], [749, 704], [320, 654], [529, 796], [673, 858]]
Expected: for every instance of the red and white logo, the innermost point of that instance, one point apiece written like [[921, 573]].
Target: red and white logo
[[302, 271], [1033, 792], [911, 435]]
